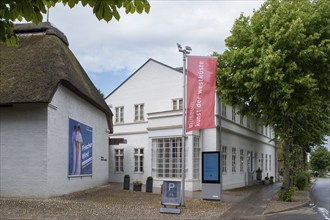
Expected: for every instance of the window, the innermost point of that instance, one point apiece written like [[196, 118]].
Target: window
[[266, 131], [138, 160], [224, 110], [262, 162], [233, 160], [241, 160], [224, 159], [119, 114], [241, 119], [166, 157], [119, 160], [249, 161], [177, 104], [233, 113], [196, 158], [248, 122], [266, 162], [139, 112], [270, 162]]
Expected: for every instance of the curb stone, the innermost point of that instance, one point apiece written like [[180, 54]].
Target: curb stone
[[304, 204]]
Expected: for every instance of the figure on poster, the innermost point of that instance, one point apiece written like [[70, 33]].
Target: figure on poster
[[74, 149], [79, 141]]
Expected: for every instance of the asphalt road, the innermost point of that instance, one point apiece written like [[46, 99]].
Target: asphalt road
[[318, 208], [320, 196]]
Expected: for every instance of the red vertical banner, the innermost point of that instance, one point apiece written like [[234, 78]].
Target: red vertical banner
[[201, 78]]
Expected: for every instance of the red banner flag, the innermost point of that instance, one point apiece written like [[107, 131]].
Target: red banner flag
[[200, 92]]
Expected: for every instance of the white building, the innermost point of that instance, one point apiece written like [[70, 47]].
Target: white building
[[42, 88], [148, 116]]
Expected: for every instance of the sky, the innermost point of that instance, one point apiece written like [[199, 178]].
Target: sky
[[111, 52]]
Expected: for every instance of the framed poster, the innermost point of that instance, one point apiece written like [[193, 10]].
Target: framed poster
[[211, 167], [80, 149]]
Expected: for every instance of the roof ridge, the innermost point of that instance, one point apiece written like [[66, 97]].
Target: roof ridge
[[43, 27]]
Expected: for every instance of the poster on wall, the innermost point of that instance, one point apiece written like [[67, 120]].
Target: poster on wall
[[80, 149]]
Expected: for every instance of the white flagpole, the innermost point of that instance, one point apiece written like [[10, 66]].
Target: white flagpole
[[184, 51]]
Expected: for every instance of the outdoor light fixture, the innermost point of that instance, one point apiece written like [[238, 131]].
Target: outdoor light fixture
[[185, 50]]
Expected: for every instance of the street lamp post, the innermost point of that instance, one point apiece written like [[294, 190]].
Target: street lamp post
[[186, 50]]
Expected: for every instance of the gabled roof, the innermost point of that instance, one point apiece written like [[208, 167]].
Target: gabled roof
[[32, 72], [149, 60]]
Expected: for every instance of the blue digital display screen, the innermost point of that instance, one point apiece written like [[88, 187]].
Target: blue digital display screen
[[211, 167]]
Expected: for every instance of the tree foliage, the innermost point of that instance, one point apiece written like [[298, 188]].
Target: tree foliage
[[320, 159], [32, 10], [277, 69]]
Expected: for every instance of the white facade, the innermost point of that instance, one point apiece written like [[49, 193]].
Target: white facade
[[154, 91], [34, 146]]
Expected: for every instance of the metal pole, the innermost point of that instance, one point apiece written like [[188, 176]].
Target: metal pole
[[218, 137], [184, 51], [183, 129]]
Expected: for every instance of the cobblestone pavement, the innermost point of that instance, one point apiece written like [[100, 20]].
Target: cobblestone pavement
[[112, 202]]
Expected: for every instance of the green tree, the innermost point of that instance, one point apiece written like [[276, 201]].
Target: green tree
[[320, 159], [32, 10], [277, 69]]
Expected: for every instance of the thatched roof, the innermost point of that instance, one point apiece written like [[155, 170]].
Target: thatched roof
[[31, 72]]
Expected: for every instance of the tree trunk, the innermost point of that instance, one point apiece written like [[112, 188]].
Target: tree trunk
[[287, 148]]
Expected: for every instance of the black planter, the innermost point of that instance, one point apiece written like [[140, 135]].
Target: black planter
[[149, 185], [137, 187], [259, 175], [126, 182]]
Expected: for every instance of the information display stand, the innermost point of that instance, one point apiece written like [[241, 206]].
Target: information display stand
[[211, 188]]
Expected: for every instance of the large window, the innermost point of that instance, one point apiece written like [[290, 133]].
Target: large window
[[177, 104], [139, 111], [270, 162], [262, 162], [266, 162], [166, 156], [119, 160], [233, 160], [224, 159], [241, 160], [196, 158], [119, 114], [138, 160]]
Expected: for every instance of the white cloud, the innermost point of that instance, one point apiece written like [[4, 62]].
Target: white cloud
[[118, 47]]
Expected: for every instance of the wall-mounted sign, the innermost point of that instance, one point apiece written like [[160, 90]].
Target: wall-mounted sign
[[80, 149], [211, 167]]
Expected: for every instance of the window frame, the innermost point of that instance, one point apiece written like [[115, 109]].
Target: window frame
[[177, 104], [119, 160], [241, 158], [139, 112], [233, 160], [224, 159], [138, 160], [119, 114]]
